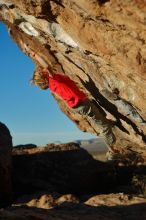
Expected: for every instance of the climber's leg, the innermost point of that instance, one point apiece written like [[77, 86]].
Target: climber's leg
[[89, 109]]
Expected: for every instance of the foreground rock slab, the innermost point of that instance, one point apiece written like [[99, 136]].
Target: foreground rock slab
[[99, 208]]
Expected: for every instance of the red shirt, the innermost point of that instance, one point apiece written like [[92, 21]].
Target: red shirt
[[66, 89]]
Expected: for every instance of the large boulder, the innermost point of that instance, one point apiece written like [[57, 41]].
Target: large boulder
[[5, 165], [63, 168], [98, 44]]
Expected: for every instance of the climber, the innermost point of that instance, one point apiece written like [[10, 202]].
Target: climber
[[67, 89], [76, 99]]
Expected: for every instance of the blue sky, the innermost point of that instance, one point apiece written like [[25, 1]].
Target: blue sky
[[32, 115]]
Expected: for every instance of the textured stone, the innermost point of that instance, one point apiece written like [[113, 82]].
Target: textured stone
[[121, 206]]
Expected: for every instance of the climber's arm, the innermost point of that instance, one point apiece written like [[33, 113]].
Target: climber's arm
[[40, 60], [37, 57]]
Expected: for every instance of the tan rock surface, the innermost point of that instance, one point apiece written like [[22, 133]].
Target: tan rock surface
[[131, 209]]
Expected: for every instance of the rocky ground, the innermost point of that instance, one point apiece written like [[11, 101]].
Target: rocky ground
[[48, 207], [65, 182]]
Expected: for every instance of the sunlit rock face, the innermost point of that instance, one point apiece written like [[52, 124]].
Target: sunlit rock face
[[98, 44]]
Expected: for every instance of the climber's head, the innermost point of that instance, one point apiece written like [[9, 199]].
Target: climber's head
[[40, 79]]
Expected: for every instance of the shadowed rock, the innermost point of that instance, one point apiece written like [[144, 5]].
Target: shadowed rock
[[5, 165], [63, 168]]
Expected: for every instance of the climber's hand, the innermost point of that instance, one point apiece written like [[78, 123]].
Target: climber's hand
[[47, 72]]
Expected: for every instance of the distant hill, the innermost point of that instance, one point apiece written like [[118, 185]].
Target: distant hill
[[93, 145]]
